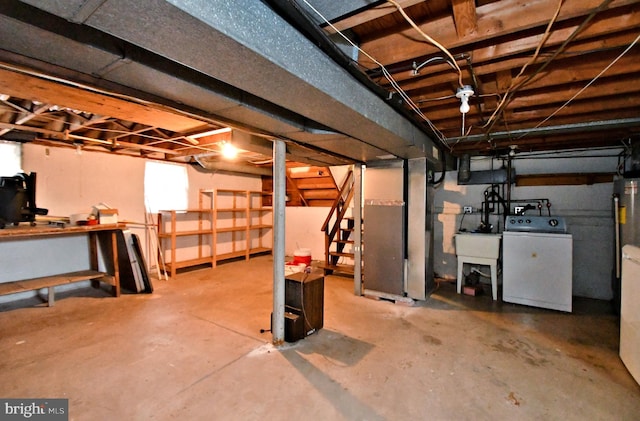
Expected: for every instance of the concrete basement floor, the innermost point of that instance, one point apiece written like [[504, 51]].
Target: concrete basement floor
[[193, 350]]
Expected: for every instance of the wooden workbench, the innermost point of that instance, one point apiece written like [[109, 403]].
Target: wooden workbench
[[103, 236]]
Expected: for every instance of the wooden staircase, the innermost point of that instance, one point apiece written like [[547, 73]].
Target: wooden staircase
[[339, 229], [306, 186]]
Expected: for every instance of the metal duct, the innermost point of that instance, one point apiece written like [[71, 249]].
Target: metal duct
[[464, 168], [214, 165], [334, 10], [234, 42], [560, 129], [634, 161]]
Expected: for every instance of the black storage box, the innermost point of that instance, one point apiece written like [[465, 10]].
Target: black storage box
[[293, 325], [304, 295]]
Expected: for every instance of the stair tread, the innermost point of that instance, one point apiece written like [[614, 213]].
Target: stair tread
[[340, 253], [339, 268]]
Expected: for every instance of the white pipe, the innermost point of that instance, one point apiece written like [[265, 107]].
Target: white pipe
[[616, 224], [279, 193]]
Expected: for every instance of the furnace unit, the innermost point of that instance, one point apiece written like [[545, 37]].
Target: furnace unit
[[384, 234], [398, 228]]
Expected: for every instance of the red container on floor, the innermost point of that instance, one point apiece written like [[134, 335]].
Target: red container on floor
[[302, 256]]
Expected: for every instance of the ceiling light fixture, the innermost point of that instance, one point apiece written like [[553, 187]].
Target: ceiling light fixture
[[229, 151], [464, 93], [193, 138]]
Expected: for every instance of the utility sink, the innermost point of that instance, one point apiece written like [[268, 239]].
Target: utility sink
[[486, 246]]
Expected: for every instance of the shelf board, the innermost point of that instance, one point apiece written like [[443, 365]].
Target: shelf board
[[232, 229], [258, 250], [189, 262], [182, 211], [232, 191], [186, 233], [242, 253], [49, 281], [231, 209], [231, 255], [260, 226]]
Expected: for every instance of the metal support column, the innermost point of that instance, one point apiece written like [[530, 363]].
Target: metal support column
[[279, 193], [357, 233]]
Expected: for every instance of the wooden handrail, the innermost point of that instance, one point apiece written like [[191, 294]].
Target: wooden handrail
[[347, 184], [339, 209], [340, 215], [295, 188]]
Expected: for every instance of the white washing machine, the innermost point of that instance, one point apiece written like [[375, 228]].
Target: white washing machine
[[537, 259]]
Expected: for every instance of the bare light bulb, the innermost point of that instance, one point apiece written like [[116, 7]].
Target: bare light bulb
[[464, 105], [229, 151], [464, 93]]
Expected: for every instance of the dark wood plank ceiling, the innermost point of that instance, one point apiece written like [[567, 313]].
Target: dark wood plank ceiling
[[542, 81]]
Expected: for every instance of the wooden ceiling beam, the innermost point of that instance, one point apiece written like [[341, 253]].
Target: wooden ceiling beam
[[26, 86], [465, 18], [69, 136], [556, 84], [494, 20], [613, 86], [583, 70], [579, 108], [28, 115], [485, 60]]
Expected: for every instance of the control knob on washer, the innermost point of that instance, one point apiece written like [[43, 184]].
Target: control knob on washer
[[553, 222]]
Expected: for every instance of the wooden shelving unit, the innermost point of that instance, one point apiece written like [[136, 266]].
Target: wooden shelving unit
[[228, 224], [241, 215], [196, 223]]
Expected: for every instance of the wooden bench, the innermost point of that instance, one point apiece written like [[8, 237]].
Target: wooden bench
[[101, 236], [50, 282]]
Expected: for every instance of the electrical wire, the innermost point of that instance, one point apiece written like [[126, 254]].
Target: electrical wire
[[591, 82], [429, 39], [556, 53], [512, 86], [387, 75], [416, 67]]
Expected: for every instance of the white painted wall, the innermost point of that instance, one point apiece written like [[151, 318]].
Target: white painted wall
[[587, 210], [68, 183], [303, 230]]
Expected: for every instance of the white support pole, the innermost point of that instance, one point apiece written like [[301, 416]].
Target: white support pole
[[279, 193], [357, 216]]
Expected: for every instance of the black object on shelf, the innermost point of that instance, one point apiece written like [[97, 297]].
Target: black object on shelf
[[18, 199]]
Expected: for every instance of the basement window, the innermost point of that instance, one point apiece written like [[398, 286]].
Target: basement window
[[10, 158], [166, 186]]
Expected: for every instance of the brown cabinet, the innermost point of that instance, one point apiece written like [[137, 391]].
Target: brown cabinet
[[304, 297]]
